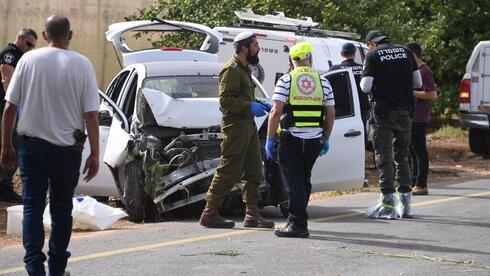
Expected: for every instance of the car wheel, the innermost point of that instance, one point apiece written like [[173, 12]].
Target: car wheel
[[479, 140], [135, 200]]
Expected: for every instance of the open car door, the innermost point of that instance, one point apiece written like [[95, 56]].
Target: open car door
[[103, 183], [343, 166]]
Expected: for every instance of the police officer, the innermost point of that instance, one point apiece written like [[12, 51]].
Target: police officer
[[390, 74], [240, 149], [26, 40], [348, 54], [304, 106]]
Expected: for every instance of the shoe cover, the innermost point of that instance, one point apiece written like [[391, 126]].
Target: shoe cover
[[404, 206], [385, 209]]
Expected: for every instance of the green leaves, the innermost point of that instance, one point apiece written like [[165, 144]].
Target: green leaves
[[447, 29]]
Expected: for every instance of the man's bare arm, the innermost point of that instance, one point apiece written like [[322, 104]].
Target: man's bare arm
[[274, 118], [7, 71], [92, 163], [7, 155], [425, 95], [329, 121]]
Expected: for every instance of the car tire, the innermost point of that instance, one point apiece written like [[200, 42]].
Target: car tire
[[134, 197], [479, 140]]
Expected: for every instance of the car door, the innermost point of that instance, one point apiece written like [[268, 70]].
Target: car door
[[103, 183], [343, 166], [119, 133]]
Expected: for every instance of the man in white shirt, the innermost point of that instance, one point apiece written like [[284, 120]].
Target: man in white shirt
[[56, 92]]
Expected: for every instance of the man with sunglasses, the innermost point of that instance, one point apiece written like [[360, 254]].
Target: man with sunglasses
[[26, 40]]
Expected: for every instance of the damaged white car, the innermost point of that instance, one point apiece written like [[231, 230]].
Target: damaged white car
[[160, 129]]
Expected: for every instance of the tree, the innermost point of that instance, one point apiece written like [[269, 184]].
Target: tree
[[447, 29]]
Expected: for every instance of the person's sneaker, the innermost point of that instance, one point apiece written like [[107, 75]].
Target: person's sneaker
[[417, 190], [8, 195]]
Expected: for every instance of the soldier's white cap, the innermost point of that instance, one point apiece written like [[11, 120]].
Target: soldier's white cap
[[242, 36]]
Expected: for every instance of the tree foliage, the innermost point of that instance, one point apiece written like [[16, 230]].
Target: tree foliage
[[447, 29]]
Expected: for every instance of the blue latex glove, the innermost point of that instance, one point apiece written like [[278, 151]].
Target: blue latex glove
[[269, 145], [257, 109], [267, 106], [325, 147]]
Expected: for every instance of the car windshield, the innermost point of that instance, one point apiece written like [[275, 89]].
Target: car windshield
[[185, 86]]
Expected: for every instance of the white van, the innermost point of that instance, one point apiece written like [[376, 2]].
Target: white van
[[474, 98], [343, 167], [276, 34]]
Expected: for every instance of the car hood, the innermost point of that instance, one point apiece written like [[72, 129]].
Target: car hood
[[183, 112], [187, 113]]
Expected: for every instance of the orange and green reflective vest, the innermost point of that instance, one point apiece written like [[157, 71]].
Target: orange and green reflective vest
[[305, 101]]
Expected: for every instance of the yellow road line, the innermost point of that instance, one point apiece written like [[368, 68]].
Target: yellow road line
[[226, 234]]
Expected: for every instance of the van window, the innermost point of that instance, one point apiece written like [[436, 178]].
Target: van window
[[342, 91]]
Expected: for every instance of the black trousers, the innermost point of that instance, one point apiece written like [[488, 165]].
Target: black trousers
[[296, 159], [419, 155]]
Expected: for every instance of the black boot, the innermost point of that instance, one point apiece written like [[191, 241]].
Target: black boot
[[291, 231]]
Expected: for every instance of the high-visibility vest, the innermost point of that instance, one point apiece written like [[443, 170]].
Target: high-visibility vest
[[305, 101]]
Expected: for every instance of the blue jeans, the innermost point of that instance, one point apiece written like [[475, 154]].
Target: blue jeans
[[296, 159], [44, 165]]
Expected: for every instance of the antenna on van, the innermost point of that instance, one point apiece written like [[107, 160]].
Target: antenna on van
[[280, 22]]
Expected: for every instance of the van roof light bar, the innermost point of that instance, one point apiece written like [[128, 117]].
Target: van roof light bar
[[282, 23], [278, 19]]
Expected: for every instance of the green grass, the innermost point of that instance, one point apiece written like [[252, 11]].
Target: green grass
[[450, 133]]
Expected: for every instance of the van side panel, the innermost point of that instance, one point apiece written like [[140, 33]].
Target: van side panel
[[276, 52]]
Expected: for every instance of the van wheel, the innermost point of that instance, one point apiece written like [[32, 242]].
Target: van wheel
[[479, 141], [137, 203]]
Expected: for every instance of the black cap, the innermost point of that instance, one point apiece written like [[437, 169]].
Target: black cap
[[415, 48], [375, 36], [348, 48]]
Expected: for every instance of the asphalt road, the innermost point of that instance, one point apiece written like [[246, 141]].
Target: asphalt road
[[450, 235]]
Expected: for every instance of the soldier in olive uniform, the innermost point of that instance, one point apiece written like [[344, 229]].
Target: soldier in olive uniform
[[240, 149], [26, 40]]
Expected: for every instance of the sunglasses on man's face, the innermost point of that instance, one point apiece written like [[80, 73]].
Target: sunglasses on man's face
[[30, 44]]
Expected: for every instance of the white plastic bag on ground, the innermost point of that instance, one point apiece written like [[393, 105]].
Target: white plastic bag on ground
[[88, 214]]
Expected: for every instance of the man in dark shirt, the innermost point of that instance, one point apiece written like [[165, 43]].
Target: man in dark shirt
[[26, 40], [349, 53], [390, 74], [418, 144]]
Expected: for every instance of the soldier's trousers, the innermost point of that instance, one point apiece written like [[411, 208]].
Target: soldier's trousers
[[391, 148], [240, 161]]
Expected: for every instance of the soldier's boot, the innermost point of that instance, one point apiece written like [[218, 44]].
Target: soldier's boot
[[254, 219], [404, 207], [210, 218]]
